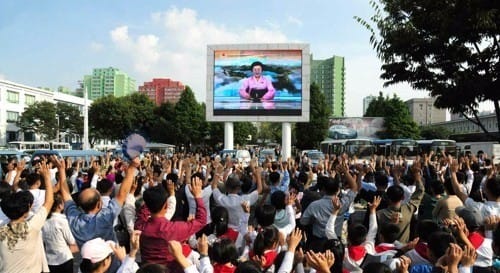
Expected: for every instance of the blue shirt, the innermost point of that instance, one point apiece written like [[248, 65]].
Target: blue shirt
[[86, 226], [319, 211]]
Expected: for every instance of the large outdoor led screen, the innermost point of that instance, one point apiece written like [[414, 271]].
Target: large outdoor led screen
[[258, 82]]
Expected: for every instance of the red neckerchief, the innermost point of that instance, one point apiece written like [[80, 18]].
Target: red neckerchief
[[186, 249], [476, 239], [357, 253], [230, 234], [270, 257], [421, 249], [223, 268], [384, 247]]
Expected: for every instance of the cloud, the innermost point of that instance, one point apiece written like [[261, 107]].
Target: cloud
[[294, 21], [178, 50], [143, 49], [2, 77], [97, 47]]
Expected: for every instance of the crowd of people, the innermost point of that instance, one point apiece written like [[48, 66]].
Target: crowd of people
[[202, 213]]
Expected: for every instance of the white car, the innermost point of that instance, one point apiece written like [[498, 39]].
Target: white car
[[243, 157]]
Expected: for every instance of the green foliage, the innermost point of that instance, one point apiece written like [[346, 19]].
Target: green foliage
[[108, 118], [163, 127], [434, 132], [114, 118], [189, 119], [40, 118], [270, 132], [311, 133], [448, 48], [70, 119], [397, 120], [241, 132]]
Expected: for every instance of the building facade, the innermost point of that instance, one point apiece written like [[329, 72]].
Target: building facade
[[329, 75], [463, 126], [162, 90], [423, 112], [15, 97], [108, 81]]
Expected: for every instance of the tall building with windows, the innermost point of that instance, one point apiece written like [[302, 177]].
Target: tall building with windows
[[16, 97], [366, 102], [423, 112], [162, 90], [329, 75], [108, 81]]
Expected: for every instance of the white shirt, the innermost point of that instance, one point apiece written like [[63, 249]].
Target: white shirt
[[56, 237], [486, 209], [232, 202], [206, 193], [38, 200]]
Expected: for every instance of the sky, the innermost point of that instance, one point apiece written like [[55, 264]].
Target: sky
[[55, 43]]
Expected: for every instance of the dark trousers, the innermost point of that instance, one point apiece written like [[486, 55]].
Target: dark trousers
[[66, 267]]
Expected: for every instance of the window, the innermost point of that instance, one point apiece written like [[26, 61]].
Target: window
[[12, 96], [11, 136], [29, 99], [12, 116]]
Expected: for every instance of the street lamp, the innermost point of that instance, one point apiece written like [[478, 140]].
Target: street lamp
[[58, 125], [57, 136]]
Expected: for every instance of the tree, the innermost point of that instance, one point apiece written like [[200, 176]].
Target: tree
[[164, 124], [115, 118], [242, 130], [311, 133], [188, 119], [70, 119], [434, 132], [140, 114], [270, 132], [108, 118], [449, 48], [397, 120], [39, 118]]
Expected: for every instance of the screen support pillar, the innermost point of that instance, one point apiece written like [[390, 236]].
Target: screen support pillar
[[228, 136], [286, 141]]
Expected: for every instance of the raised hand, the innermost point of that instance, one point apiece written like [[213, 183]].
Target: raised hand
[[196, 187], [245, 205], [294, 239], [336, 204], [469, 257], [404, 263], [203, 245], [374, 205]]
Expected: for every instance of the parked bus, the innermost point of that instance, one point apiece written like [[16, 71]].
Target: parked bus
[[491, 148], [60, 146], [28, 146], [333, 146], [160, 148], [363, 149], [31, 146], [382, 147], [449, 147]]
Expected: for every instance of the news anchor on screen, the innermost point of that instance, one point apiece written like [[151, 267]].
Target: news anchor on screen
[[257, 87]]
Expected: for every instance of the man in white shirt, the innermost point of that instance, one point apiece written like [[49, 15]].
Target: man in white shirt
[[232, 201]]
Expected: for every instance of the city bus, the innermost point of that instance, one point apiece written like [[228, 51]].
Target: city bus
[[160, 148], [332, 146], [449, 147], [28, 146], [60, 146], [382, 147], [31, 146], [363, 149], [408, 148]]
